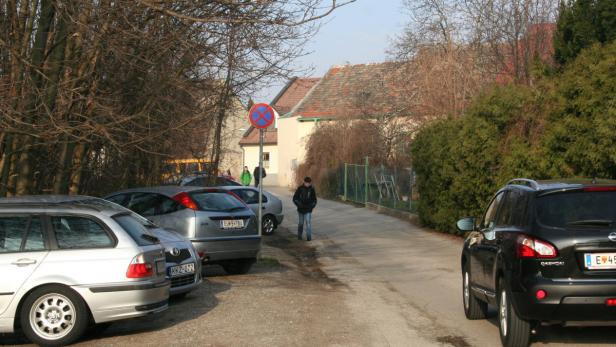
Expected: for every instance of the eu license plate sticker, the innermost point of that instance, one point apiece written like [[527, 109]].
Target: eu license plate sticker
[[232, 224], [598, 261], [184, 269]]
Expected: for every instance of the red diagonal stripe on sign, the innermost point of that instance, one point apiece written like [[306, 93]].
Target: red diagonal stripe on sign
[[261, 115]]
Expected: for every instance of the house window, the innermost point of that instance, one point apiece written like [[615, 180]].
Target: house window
[[266, 160]]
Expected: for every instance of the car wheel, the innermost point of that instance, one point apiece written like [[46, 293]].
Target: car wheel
[[514, 331], [473, 307], [54, 316], [269, 225], [238, 267]]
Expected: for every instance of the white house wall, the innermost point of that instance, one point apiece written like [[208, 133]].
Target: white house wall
[[251, 159]]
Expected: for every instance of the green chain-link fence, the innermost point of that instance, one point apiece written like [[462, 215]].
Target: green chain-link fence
[[379, 185]]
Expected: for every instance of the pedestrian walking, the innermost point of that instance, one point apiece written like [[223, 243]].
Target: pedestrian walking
[[246, 177], [305, 198], [259, 176]]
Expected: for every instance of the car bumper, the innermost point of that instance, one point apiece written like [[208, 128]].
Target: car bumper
[[228, 248], [185, 284], [111, 302], [567, 301]]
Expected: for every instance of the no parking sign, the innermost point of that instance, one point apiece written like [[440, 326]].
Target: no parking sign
[[261, 115]]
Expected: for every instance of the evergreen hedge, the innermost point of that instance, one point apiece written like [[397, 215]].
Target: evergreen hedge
[[563, 126]]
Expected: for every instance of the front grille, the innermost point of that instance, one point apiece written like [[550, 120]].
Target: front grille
[[184, 254], [182, 280]]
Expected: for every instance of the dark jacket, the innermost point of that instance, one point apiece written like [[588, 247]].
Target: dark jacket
[[305, 198], [256, 175]]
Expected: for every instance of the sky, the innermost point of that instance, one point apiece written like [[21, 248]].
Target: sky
[[358, 33]]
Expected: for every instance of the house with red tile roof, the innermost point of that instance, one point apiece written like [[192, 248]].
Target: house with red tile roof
[[345, 92], [292, 93]]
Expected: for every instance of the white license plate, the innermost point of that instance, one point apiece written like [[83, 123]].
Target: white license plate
[[184, 269], [598, 261], [232, 224]]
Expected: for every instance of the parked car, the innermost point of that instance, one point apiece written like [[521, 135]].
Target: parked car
[[272, 206], [220, 226], [204, 181], [69, 262], [543, 252], [182, 261]]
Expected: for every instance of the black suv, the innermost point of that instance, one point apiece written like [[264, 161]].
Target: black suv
[[543, 253]]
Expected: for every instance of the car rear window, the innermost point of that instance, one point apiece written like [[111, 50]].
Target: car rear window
[[217, 201], [137, 228], [562, 210]]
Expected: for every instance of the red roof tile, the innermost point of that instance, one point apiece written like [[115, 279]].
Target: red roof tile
[[352, 90], [252, 137], [293, 93]]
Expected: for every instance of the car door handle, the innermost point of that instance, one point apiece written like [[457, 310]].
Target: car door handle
[[24, 262], [263, 207]]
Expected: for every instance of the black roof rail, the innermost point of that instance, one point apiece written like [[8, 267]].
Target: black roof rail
[[524, 182]]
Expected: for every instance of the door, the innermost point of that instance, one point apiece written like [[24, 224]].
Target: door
[[483, 252], [251, 198], [22, 249], [164, 212]]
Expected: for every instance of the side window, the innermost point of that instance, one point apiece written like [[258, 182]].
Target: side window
[[506, 210], [249, 196], [148, 204], [120, 199], [79, 233], [489, 219], [12, 231]]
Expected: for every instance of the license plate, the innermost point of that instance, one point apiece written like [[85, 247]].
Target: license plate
[[598, 261], [184, 269], [232, 224]]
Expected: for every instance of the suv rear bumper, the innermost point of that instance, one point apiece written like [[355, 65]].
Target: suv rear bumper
[[217, 249], [567, 300]]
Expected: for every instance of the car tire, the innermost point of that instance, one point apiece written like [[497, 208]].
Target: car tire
[[238, 267], [514, 331], [269, 225], [54, 315], [473, 307]]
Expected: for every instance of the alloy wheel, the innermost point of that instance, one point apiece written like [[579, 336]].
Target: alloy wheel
[[268, 225], [503, 312], [52, 316]]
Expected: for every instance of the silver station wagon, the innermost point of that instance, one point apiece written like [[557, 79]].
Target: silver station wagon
[[68, 262], [219, 224]]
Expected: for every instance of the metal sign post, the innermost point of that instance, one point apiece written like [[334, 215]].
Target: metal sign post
[[261, 116], [261, 182]]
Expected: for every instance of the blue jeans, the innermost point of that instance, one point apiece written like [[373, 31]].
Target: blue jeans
[[307, 218]]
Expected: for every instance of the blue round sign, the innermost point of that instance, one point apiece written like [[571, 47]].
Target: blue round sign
[[261, 115]]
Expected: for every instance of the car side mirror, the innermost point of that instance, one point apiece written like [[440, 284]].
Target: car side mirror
[[466, 224]]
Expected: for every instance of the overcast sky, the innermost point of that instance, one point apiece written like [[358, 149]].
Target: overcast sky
[[358, 33]]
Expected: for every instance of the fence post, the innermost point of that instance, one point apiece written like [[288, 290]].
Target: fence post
[[345, 181], [366, 182]]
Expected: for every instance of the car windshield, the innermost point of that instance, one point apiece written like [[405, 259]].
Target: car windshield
[[577, 209], [217, 201]]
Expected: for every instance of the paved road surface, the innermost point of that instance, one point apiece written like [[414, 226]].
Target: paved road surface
[[414, 277]]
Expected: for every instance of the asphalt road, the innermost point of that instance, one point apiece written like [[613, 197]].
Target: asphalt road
[[414, 277]]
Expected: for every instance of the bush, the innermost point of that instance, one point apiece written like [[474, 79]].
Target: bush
[[563, 126]]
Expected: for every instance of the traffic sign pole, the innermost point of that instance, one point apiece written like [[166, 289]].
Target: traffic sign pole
[[261, 116], [260, 182]]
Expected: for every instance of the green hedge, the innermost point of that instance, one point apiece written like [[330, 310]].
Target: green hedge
[[563, 126]]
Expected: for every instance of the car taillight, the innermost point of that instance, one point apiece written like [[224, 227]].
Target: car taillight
[[139, 268], [600, 189], [529, 247], [610, 302], [186, 201]]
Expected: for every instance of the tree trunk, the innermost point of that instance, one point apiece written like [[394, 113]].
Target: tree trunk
[[80, 152]]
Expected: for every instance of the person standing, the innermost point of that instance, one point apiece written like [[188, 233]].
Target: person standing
[[305, 198], [246, 177], [259, 176]]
